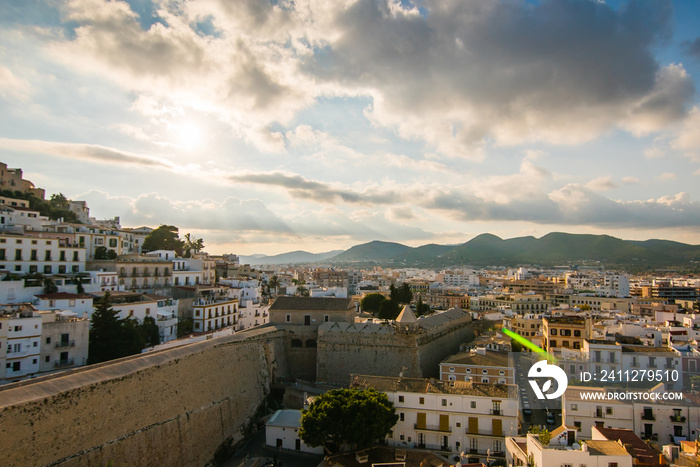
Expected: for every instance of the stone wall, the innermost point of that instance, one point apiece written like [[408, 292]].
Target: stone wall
[[173, 407], [383, 350]]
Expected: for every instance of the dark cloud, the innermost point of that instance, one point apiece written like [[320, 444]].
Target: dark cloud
[[573, 204], [302, 188], [508, 69], [692, 48], [90, 152]]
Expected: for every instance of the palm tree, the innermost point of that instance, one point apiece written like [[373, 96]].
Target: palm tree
[[274, 283]]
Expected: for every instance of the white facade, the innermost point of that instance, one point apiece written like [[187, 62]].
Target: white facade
[[21, 341], [210, 315], [282, 432], [449, 416], [588, 454], [80, 304], [23, 254], [162, 309], [64, 340], [251, 315]]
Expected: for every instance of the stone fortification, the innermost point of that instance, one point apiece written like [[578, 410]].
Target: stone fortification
[[388, 349], [173, 407]]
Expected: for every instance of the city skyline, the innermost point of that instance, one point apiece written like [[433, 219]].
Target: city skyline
[[272, 127]]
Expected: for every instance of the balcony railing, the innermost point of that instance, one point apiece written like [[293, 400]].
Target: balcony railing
[[648, 416], [432, 428], [677, 419], [496, 412], [64, 363], [64, 344]]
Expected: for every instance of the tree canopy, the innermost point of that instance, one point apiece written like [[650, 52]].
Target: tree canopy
[[58, 206], [370, 303], [192, 245], [348, 416], [388, 309], [165, 237], [401, 294], [112, 337]]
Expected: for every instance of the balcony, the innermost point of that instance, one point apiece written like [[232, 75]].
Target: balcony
[[432, 428], [650, 436], [63, 363], [677, 419], [496, 412], [64, 344], [648, 416]]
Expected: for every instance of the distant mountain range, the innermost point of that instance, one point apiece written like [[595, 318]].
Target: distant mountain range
[[490, 250], [293, 257]]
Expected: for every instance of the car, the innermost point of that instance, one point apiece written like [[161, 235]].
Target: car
[[550, 419]]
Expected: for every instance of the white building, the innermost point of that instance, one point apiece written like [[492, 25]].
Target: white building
[[80, 304], [528, 451], [212, 314], [282, 432], [64, 340], [449, 416], [21, 341], [25, 254]]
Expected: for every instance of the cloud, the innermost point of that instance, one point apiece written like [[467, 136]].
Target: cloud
[[231, 214], [692, 48], [665, 176], [302, 188], [630, 180], [12, 86], [572, 204], [654, 153], [88, 152], [466, 72], [601, 184], [688, 137]]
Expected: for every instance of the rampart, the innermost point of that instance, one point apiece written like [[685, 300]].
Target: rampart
[[386, 350], [172, 407]]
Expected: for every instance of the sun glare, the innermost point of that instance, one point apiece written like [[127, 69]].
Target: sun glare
[[189, 135]]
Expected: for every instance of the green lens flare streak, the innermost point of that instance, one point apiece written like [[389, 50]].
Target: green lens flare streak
[[526, 343]]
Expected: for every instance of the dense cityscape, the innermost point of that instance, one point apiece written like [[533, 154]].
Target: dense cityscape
[[356, 233], [78, 291]]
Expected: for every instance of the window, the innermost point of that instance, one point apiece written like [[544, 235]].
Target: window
[[18, 328], [484, 372], [32, 269], [400, 398], [47, 359], [48, 340], [35, 344], [608, 410], [32, 256], [612, 464], [18, 255], [444, 402], [452, 369], [48, 269], [501, 372], [468, 370], [574, 407], [62, 269], [421, 400], [2, 254], [473, 404], [552, 343], [401, 417], [47, 255], [484, 380], [553, 332], [577, 425], [75, 256], [325, 318], [289, 318]]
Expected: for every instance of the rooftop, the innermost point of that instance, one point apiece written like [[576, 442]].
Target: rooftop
[[490, 358], [634, 445], [605, 448], [428, 386], [312, 304]]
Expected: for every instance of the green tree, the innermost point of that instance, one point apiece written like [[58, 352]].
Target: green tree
[[192, 245], [112, 337], [149, 331], [165, 237], [544, 434], [273, 284], [422, 308], [79, 289], [401, 294], [50, 286], [100, 252], [185, 327], [348, 416], [388, 309], [105, 332], [370, 303]]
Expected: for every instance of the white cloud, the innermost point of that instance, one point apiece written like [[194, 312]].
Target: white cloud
[[654, 153], [12, 86], [665, 176], [601, 184]]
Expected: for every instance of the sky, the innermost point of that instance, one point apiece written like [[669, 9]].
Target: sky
[[272, 126]]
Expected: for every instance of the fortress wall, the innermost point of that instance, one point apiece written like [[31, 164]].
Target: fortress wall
[[441, 342], [341, 354], [173, 407]]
